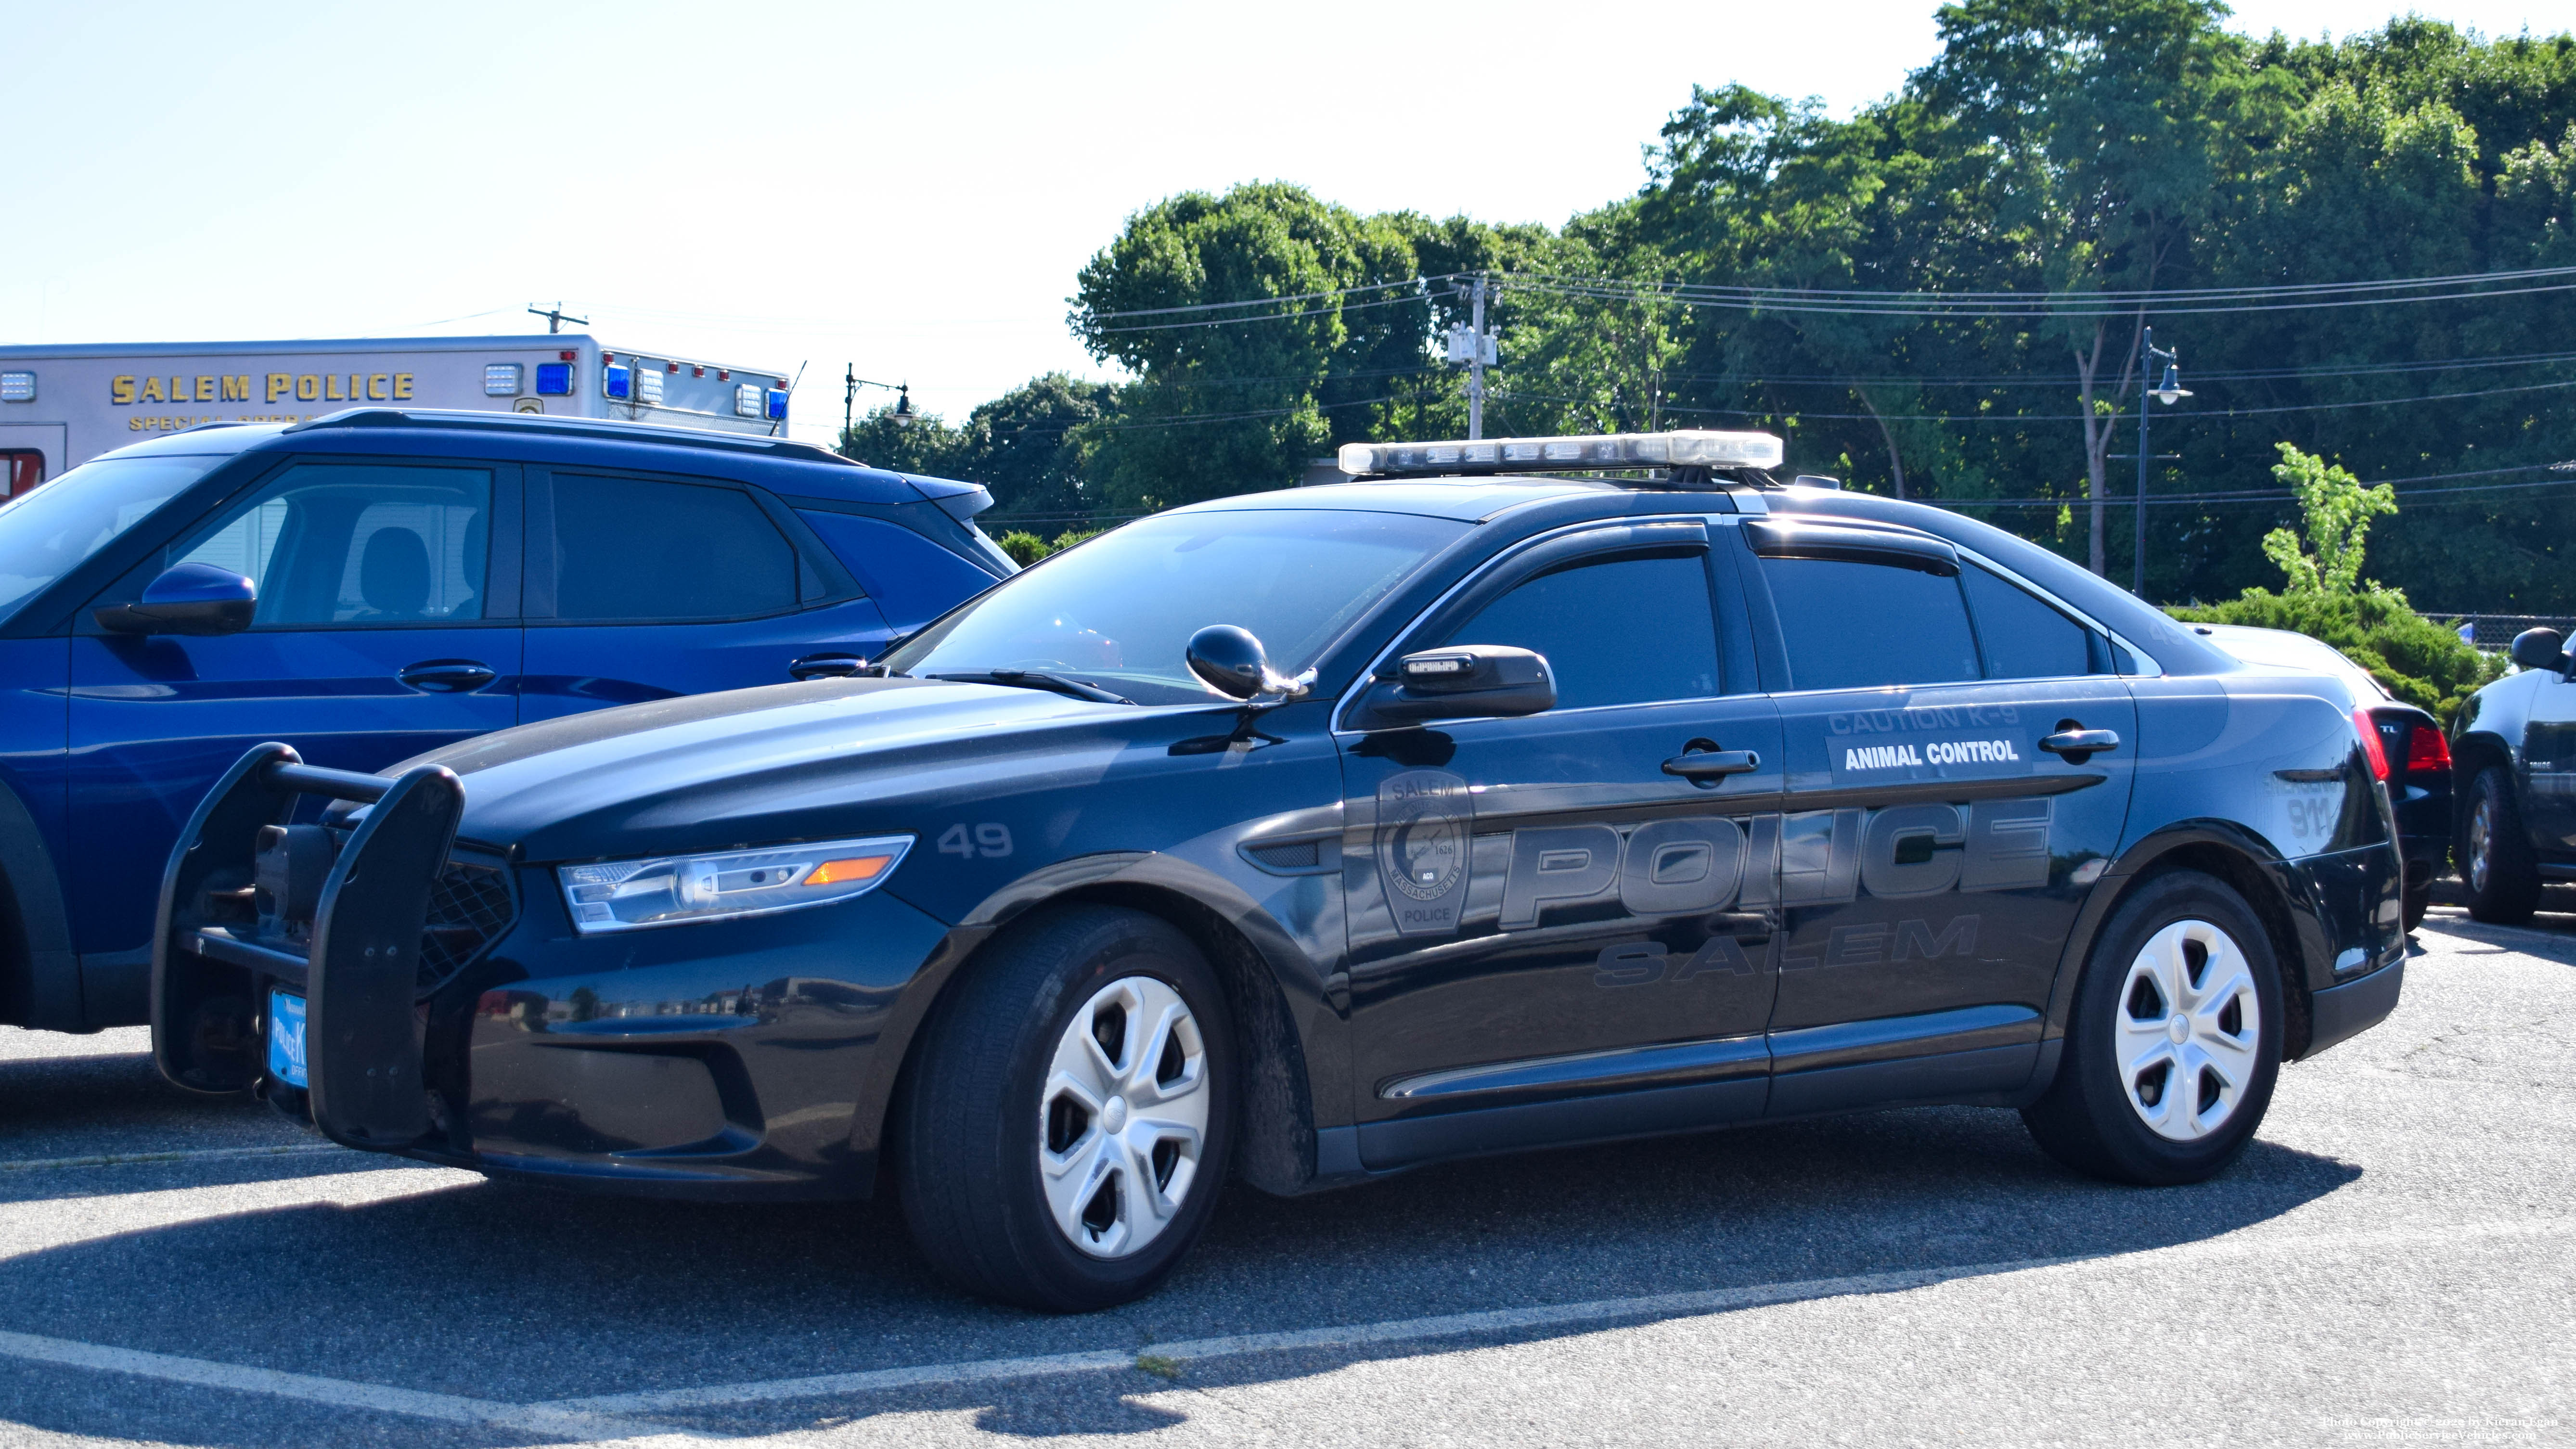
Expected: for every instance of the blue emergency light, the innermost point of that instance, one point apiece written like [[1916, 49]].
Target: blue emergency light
[[778, 404], [554, 379], [615, 380]]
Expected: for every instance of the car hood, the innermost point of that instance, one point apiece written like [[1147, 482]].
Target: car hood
[[782, 762]]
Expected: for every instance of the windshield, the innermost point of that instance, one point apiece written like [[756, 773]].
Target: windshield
[[1118, 610], [47, 533]]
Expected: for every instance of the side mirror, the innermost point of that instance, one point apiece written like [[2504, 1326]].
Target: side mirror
[[1462, 681], [2540, 649], [1233, 662], [189, 598]]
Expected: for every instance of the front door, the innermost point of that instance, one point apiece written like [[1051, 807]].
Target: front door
[[645, 588], [1935, 853], [1546, 925], [386, 626]]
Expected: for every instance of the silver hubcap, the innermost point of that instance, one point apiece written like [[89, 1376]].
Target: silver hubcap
[[1122, 1118], [2188, 1030], [2479, 832]]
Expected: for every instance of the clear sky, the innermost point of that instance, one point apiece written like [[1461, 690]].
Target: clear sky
[[909, 187]]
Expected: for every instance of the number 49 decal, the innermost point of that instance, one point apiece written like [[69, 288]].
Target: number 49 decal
[[991, 841]]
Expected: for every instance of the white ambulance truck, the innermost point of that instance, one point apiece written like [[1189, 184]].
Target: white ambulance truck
[[62, 406]]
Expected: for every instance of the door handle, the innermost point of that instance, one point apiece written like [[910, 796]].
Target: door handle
[[826, 666], [1710, 766], [2075, 744], [448, 676]]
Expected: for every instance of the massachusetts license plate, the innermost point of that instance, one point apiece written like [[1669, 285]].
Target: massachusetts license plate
[[286, 1038]]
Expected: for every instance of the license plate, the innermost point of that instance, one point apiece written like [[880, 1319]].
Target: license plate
[[286, 1038]]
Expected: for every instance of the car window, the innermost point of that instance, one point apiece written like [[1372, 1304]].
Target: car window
[[49, 532], [1864, 625], [1119, 610], [330, 543], [631, 549], [1625, 631], [2024, 638]]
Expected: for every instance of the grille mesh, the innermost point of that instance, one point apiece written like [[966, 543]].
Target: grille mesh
[[468, 906]]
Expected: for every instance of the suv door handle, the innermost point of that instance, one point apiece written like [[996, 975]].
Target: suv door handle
[[1712, 765], [826, 666], [448, 676], [2076, 744]]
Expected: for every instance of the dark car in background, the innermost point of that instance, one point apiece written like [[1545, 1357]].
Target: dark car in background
[[2515, 741], [1318, 834], [2413, 755], [375, 583]]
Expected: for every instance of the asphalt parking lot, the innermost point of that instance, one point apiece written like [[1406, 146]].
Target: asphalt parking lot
[[2391, 1263]]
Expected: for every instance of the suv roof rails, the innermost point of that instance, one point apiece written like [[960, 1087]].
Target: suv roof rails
[[600, 428]]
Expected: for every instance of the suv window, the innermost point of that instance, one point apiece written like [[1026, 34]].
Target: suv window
[[633, 549], [2024, 638], [1864, 625], [331, 543], [1626, 631]]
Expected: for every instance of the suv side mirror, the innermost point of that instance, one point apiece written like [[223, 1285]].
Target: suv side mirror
[[189, 598], [2541, 649], [1462, 681]]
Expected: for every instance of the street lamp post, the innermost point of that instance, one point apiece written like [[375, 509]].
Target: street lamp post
[[2168, 392]]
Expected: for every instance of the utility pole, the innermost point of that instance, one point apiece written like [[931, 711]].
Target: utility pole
[[1474, 346], [849, 399], [2168, 392], [1476, 368], [556, 317]]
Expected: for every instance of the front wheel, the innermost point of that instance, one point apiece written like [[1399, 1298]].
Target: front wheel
[[1066, 1125], [2174, 1041], [2502, 880]]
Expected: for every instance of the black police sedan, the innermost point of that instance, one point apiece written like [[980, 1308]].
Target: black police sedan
[[1311, 835]]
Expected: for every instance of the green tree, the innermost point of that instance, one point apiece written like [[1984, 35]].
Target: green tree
[[2338, 511]]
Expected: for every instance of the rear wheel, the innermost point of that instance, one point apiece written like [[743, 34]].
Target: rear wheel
[[2174, 1042], [1067, 1124], [2502, 880]]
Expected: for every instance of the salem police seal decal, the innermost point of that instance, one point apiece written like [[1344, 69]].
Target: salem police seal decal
[[1424, 827]]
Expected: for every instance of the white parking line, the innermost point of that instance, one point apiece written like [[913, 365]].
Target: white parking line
[[607, 1415], [337, 1393], [196, 1154]]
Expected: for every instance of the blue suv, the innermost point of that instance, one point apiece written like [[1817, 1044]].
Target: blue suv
[[377, 583]]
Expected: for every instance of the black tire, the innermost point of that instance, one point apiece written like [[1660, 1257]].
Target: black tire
[[2418, 900], [2086, 1119], [2497, 872], [971, 1120]]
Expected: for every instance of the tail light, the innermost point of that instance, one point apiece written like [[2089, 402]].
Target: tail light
[[2426, 750], [2370, 745]]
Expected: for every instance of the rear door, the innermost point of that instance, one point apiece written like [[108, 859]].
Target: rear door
[[1934, 853], [643, 587], [1545, 923], [387, 625]]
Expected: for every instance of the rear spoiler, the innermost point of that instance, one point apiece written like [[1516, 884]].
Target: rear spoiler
[[213, 966]]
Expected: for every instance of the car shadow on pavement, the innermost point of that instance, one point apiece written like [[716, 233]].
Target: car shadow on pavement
[[522, 1294]]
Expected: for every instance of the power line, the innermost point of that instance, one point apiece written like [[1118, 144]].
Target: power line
[[2195, 415]]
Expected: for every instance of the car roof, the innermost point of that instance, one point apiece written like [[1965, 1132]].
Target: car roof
[[792, 468], [1468, 500]]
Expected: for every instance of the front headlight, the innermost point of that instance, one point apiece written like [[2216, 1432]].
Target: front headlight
[[625, 895]]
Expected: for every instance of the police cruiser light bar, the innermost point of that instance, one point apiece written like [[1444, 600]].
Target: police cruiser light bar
[[1690, 448]]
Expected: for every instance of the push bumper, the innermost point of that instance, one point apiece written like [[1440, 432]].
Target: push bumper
[[223, 947]]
